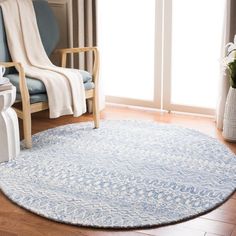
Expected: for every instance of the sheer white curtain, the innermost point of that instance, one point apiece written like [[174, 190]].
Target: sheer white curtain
[[228, 34]]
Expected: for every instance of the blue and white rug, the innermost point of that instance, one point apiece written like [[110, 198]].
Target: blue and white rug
[[125, 174]]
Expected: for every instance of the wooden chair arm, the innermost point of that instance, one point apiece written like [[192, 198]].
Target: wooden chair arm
[[76, 50], [95, 50], [22, 82]]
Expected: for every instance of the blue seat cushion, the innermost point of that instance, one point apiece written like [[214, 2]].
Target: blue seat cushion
[[42, 97], [34, 98], [37, 87]]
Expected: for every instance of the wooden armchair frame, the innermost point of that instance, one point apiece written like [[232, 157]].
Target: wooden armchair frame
[[27, 109]]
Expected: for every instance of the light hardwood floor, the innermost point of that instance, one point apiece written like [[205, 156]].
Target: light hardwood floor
[[222, 221]]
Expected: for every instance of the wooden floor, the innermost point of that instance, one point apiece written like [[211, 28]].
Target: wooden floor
[[222, 221]]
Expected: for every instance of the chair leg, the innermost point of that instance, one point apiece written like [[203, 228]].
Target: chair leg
[[27, 129], [96, 115]]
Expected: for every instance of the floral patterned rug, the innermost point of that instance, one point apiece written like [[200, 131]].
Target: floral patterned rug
[[126, 174]]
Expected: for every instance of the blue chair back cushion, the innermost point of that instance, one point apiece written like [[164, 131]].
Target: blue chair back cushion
[[4, 51], [49, 32], [48, 29]]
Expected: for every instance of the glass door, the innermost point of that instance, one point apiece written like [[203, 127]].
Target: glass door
[[129, 38], [192, 51]]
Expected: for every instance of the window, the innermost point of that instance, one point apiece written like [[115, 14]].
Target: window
[[193, 61], [161, 50]]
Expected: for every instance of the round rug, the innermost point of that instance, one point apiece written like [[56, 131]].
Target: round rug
[[125, 174]]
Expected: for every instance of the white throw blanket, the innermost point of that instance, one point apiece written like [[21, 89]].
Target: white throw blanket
[[65, 88]]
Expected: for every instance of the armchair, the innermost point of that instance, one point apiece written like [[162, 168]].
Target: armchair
[[31, 93]]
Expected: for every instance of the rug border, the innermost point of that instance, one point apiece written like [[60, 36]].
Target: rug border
[[138, 120], [120, 228]]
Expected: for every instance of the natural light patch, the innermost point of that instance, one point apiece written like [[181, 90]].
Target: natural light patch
[[196, 51], [127, 40]]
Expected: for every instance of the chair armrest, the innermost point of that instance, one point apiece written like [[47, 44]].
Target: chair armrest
[[23, 85], [95, 50], [76, 50]]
